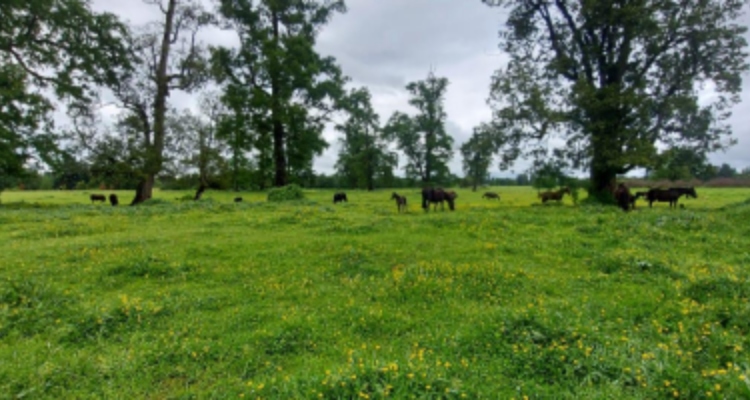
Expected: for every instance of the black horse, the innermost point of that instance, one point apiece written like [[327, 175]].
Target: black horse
[[238, 199], [113, 200], [438, 195], [671, 195], [340, 196]]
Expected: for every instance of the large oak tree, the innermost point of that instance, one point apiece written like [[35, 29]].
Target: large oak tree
[[277, 84], [614, 79], [61, 47]]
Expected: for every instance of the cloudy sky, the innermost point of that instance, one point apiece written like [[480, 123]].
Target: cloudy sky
[[384, 44]]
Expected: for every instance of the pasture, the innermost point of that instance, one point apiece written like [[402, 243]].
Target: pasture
[[306, 300]]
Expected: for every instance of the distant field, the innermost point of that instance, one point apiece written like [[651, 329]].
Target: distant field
[[497, 300]]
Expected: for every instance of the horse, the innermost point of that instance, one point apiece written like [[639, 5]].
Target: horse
[[437, 195], [237, 199], [671, 195], [624, 199], [340, 196], [113, 199], [491, 195], [553, 195], [400, 201], [98, 197]]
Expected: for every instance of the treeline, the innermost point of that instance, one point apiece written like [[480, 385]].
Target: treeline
[[264, 103]]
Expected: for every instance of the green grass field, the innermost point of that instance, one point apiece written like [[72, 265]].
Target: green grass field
[[307, 300]]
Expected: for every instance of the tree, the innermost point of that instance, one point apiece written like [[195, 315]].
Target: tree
[[726, 171], [198, 146], [616, 77], [278, 83], [423, 138], [477, 155], [364, 152], [682, 163], [62, 46], [168, 58]]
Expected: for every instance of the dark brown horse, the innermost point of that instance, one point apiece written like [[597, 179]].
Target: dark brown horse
[[238, 199], [438, 195], [556, 195], [671, 195], [98, 197], [400, 201], [113, 199], [491, 195], [624, 198], [340, 196]]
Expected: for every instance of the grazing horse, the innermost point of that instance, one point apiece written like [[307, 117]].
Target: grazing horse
[[340, 196], [491, 195], [237, 199], [554, 195], [671, 195], [625, 199], [113, 199], [400, 201], [98, 197], [437, 195]]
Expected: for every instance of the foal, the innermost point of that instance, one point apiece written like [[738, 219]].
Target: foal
[[491, 195], [400, 201]]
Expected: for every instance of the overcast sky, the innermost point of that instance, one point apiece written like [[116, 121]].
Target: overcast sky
[[384, 44]]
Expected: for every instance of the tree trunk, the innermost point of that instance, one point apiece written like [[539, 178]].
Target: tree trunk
[[199, 192], [278, 154], [144, 190]]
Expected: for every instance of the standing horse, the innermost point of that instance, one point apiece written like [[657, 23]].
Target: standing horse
[[113, 200], [435, 196], [400, 201], [491, 195], [671, 195], [98, 197], [625, 200], [553, 195]]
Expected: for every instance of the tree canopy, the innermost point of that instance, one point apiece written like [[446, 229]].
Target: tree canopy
[[62, 47], [280, 88], [422, 138], [611, 79], [364, 154]]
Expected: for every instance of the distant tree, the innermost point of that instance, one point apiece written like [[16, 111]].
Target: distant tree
[[726, 171], [62, 46], [423, 138], [277, 83], [612, 79], [364, 152], [522, 180], [196, 137], [477, 155], [681, 163]]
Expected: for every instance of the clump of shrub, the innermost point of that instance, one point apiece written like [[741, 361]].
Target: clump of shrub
[[286, 193]]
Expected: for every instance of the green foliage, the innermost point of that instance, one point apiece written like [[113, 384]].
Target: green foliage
[[286, 193], [422, 137], [364, 156], [477, 154], [613, 81], [62, 46], [280, 90]]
